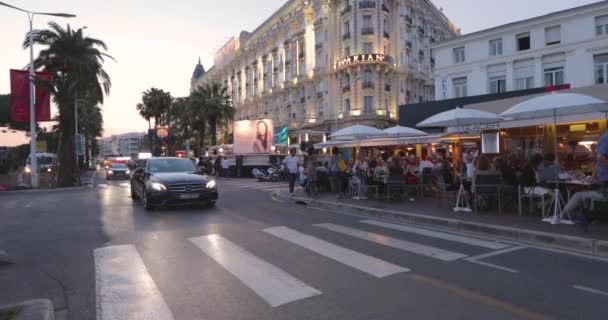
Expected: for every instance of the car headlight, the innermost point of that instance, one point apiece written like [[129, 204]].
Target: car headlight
[[128, 172], [49, 170], [158, 186], [28, 170], [211, 184], [110, 172]]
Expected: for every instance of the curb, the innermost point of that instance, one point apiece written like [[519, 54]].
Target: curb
[[38, 309], [564, 242], [86, 186]]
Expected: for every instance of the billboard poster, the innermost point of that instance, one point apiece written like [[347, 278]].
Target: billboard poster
[[280, 135], [253, 136]]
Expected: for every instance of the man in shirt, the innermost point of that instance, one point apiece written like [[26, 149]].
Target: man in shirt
[[291, 165], [225, 167], [601, 176]]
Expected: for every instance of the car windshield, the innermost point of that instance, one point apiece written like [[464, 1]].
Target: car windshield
[[118, 166], [170, 165]]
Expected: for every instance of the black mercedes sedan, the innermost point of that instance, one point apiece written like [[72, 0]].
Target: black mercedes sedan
[[172, 181]]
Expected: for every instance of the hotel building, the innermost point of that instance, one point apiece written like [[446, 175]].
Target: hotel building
[[317, 66]]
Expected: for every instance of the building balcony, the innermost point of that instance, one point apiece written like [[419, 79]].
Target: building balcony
[[367, 4], [345, 89], [387, 87], [319, 46], [368, 85], [386, 35], [408, 45], [346, 10], [385, 8], [346, 36], [367, 31]]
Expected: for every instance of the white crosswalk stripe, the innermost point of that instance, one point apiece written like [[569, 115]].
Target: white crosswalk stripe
[[125, 289], [439, 235], [256, 185], [362, 262], [272, 284], [403, 245]]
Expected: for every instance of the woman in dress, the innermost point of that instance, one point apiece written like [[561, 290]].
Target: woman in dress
[[261, 142]]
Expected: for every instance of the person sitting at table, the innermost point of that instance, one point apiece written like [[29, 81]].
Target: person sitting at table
[[549, 169], [436, 169], [483, 168], [470, 166], [447, 172], [507, 174], [600, 177], [530, 181], [410, 178], [426, 163]]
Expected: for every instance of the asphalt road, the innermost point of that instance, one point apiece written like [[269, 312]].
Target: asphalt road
[[99, 255]]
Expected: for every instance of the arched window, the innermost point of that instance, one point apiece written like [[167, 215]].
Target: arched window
[[368, 79]]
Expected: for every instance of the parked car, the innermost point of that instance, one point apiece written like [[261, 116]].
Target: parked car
[[118, 171], [170, 181]]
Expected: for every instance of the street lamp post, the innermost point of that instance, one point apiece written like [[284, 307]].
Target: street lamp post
[[33, 158]]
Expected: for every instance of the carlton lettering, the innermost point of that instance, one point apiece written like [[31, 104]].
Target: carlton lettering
[[362, 58]]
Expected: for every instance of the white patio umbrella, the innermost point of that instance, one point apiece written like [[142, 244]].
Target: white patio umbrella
[[460, 117], [399, 131], [357, 132], [554, 105]]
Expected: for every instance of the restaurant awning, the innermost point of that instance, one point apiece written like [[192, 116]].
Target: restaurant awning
[[380, 142]]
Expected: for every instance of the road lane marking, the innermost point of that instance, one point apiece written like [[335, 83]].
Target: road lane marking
[[125, 184], [102, 185], [439, 235], [403, 245], [591, 290], [496, 253], [125, 289], [491, 265], [272, 284], [468, 294], [362, 262]]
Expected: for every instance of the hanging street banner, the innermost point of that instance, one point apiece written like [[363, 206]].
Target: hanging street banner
[[20, 96], [80, 145]]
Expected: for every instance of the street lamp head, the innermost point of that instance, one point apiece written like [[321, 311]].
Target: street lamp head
[[63, 15]]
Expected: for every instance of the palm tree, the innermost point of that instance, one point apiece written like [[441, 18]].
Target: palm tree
[[218, 108], [77, 63], [90, 124], [179, 120], [197, 110], [155, 104]]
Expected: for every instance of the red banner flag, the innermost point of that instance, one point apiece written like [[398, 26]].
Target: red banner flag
[[20, 96]]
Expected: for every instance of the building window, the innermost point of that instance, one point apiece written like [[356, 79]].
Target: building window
[[346, 83], [523, 71], [554, 76], [601, 25], [367, 22], [523, 41], [386, 104], [459, 55], [601, 68], [498, 84], [460, 87], [368, 47], [368, 103], [320, 109], [495, 47], [346, 105], [553, 35], [346, 27], [368, 79]]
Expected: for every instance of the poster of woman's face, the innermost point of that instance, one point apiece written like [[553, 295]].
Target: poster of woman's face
[[253, 136]]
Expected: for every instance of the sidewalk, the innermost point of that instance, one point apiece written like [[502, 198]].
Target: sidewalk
[[428, 211]]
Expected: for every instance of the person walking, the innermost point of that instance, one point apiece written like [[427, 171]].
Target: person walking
[[291, 164], [225, 167]]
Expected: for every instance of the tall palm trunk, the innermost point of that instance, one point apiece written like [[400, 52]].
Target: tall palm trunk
[[201, 141], [213, 128], [66, 176]]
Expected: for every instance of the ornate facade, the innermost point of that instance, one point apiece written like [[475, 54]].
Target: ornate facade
[[326, 64]]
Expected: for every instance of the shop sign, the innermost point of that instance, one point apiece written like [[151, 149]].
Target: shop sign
[[480, 127], [363, 58]]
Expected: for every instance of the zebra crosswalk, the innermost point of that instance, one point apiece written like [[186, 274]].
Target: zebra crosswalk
[[126, 290]]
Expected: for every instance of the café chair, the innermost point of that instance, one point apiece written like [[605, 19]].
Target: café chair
[[444, 189], [487, 186], [521, 194]]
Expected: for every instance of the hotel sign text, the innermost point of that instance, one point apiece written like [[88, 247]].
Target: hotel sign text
[[363, 58]]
